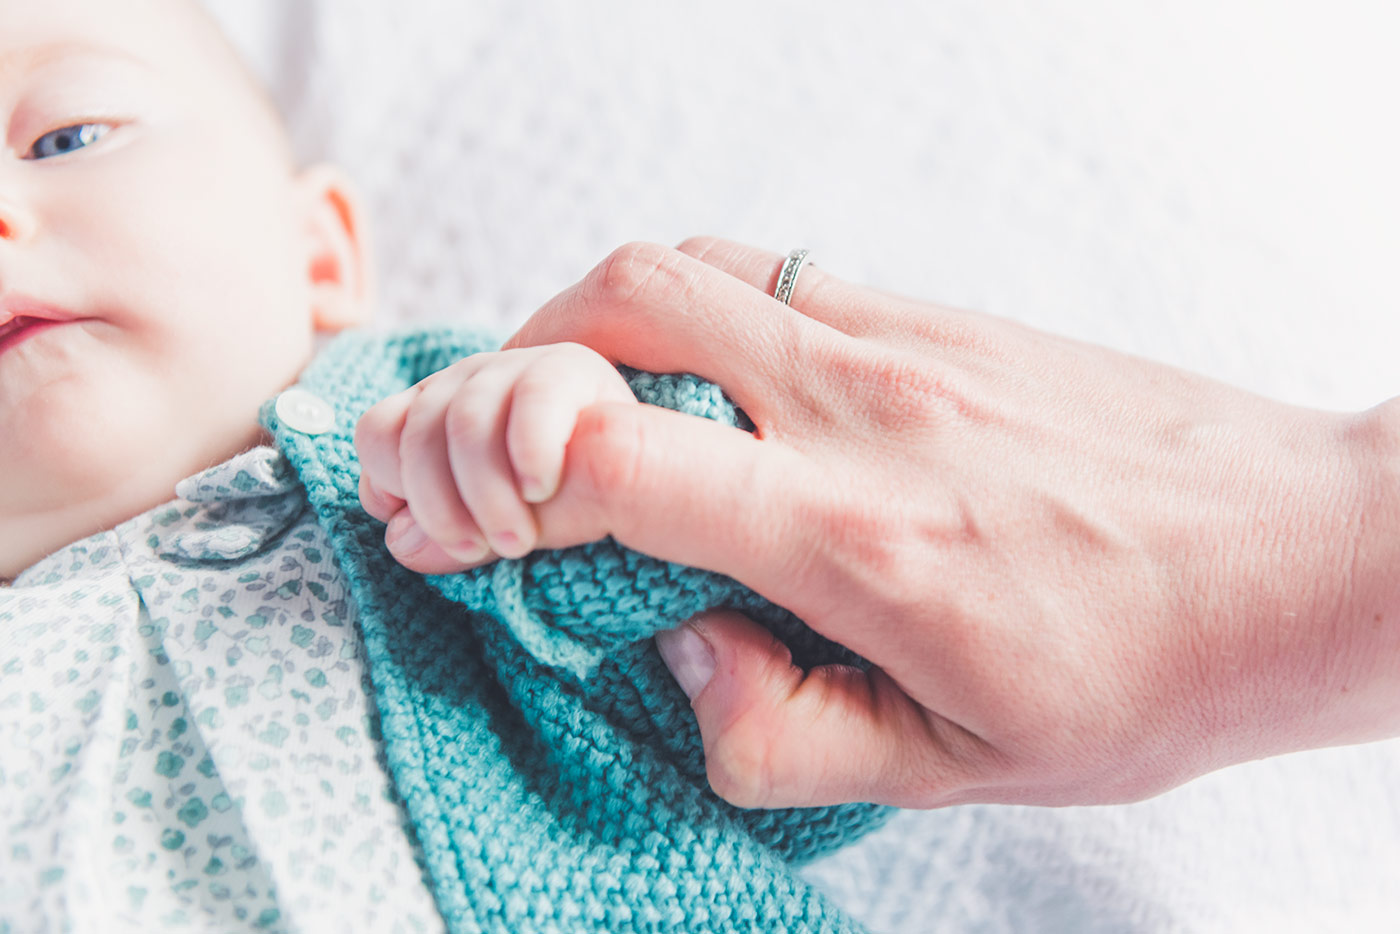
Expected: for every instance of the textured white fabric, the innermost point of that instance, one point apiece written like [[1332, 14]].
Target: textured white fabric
[[1206, 183]]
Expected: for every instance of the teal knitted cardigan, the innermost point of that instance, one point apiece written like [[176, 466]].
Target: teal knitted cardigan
[[551, 768]]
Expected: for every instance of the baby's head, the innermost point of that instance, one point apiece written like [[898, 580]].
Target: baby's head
[[148, 201]]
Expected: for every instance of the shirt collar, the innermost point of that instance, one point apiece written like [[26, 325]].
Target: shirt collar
[[228, 512]]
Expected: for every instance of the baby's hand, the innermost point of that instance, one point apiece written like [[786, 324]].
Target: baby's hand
[[455, 464]]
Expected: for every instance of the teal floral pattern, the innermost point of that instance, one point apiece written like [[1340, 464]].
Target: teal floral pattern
[[187, 738]]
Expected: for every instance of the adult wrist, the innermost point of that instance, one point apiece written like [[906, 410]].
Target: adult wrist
[[1370, 695]]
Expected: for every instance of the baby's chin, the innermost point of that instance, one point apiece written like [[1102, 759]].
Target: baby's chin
[[69, 455], [85, 439], [85, 467]]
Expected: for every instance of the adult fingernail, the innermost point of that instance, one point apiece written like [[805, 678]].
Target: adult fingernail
[[405, 537], [688, 656]]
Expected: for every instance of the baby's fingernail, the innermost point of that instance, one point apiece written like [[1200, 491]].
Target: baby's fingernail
[[468, 551], [532, 490], [507, 544], [405, 537]]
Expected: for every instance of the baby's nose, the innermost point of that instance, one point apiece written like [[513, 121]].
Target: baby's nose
[[16, 223]]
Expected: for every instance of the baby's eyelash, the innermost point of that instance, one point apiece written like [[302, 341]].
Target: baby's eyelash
[[69, 139]]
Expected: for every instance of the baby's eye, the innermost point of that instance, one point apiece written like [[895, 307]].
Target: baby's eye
[[67, 139]]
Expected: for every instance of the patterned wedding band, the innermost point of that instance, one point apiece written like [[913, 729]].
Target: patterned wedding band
[[787, 278]]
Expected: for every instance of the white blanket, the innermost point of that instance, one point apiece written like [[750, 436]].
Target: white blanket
[[1210, 184]]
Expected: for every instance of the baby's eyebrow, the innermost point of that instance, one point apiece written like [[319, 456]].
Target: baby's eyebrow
[[28, 59]]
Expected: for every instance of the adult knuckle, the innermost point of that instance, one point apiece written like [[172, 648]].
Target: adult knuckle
[[940, 762], [736, 781], [818, 289], [752, 765], [909, 389], [861, 535], [752, 760], [898, 392], [739, 766], [629, 271], [703, 247]]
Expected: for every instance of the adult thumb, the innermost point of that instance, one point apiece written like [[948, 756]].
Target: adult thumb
[[778, 736]]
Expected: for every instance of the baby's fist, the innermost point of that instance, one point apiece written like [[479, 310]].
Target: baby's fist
[[455, 463]]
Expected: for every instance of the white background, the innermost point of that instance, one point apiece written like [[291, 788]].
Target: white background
[[1212, 184]]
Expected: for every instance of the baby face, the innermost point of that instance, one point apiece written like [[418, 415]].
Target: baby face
[[150, 211]]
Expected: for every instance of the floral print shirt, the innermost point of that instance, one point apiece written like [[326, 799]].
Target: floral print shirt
[[187, 736]]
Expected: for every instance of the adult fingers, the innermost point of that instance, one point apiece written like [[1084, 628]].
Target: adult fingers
[[857, 310], [728, 499], [758, 267], [776, 736], [817, 294], [657, 309]]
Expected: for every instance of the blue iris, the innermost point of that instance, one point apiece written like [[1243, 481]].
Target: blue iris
[[68, 139]]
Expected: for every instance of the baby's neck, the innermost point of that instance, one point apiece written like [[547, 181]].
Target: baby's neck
[[28, 538]]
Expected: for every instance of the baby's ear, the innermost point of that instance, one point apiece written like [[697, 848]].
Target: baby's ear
[[338, 250]]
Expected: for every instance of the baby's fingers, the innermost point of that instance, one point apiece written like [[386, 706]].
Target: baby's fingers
[[430, 488], [377, 445], [475, 428], [412, 548], [375, 501], [544, 408], [379, 435]]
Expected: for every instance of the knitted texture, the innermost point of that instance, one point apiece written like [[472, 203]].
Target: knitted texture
[[552, 769]]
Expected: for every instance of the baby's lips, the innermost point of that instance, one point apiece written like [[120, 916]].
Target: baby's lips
[[14, 305], [15, 324]]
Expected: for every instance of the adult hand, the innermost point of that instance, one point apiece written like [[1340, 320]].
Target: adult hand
[[1081, 577]]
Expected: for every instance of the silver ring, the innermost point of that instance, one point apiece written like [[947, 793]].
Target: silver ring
[[787, 278]]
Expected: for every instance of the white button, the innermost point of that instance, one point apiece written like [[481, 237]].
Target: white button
[[300, 411]]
